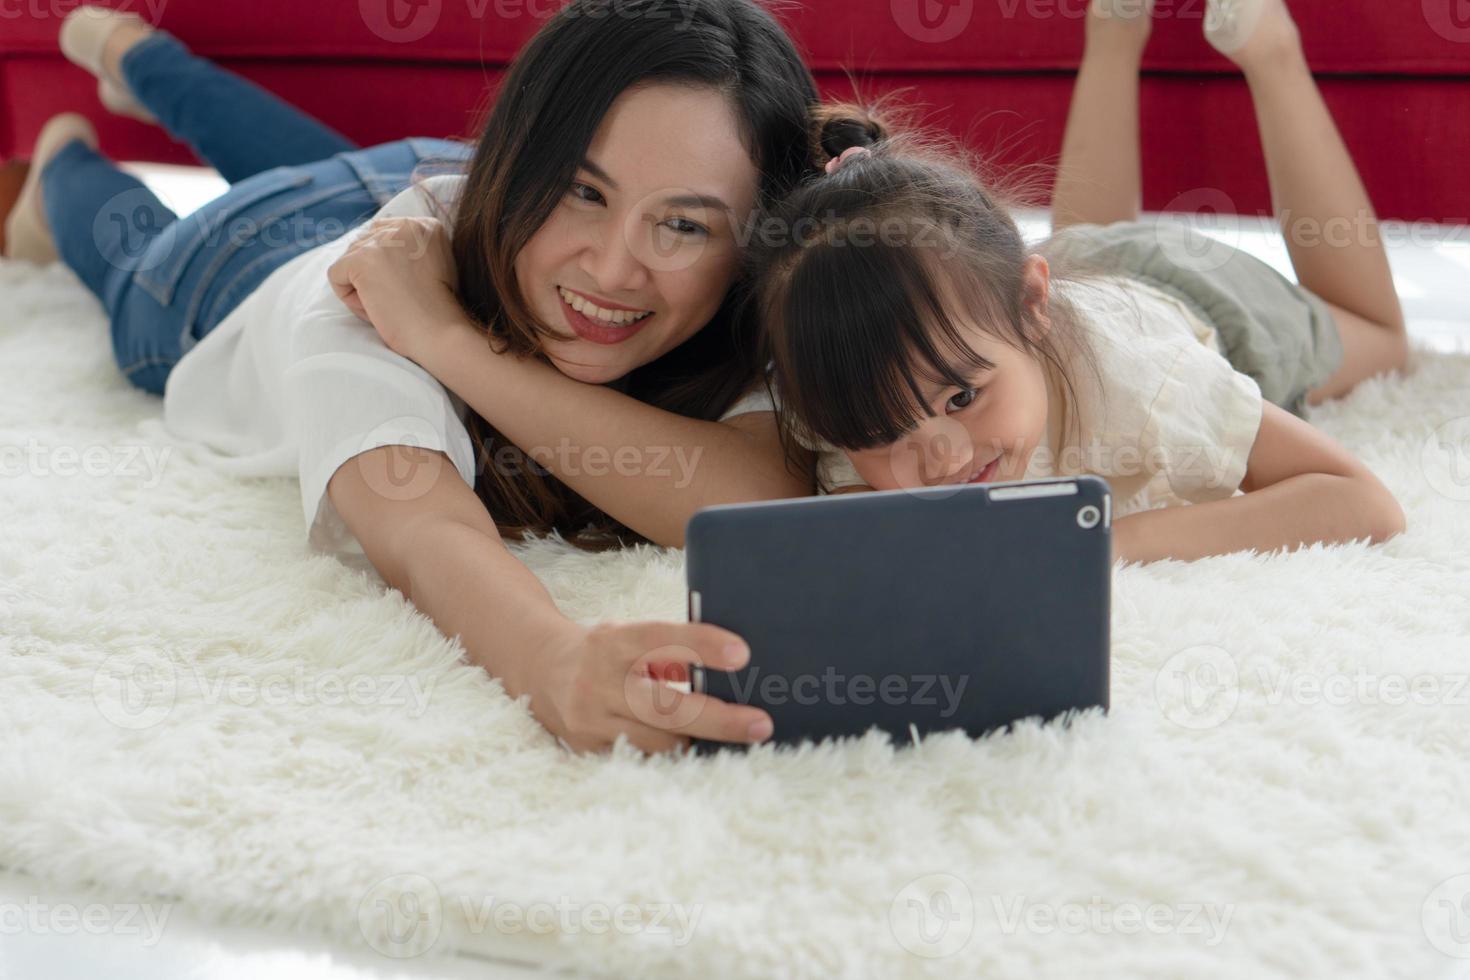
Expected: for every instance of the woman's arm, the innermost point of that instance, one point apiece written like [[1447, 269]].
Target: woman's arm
[[1301, 488], [585, 684], [649, 468]]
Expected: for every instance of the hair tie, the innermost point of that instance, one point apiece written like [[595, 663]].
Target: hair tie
[[836, 162]]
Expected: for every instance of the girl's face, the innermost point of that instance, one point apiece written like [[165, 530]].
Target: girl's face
[[984, 433], [642, 249]]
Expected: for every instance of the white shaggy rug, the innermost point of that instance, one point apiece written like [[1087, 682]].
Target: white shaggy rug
[[192, 708]]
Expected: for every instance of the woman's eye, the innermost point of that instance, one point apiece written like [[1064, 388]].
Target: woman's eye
[[963, 400], [684, 226], [592, 195]]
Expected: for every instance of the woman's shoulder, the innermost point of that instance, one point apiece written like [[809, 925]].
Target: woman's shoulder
[[436, 196]]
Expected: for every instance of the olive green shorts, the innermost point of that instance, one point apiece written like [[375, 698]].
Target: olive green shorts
[[1269, 328]]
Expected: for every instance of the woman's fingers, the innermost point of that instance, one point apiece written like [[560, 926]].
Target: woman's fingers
[[686, 643], [656, 705]]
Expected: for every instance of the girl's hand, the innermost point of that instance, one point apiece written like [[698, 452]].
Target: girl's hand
[[399, 276], [596, 683]]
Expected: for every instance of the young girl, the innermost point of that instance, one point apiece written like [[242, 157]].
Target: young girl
[[916, 341]]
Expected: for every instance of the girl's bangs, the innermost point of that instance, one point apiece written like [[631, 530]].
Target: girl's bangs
[[867, 335]]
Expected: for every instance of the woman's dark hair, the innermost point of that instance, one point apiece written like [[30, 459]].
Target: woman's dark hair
[[548, 109], [856, 292]]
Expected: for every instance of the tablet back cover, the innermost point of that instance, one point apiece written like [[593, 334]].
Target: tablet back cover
[[948, 607]]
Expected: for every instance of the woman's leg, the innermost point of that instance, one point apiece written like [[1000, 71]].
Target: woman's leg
[[102, 222], [1328, 222], [167, 282], [1098, 177], [235, 125]]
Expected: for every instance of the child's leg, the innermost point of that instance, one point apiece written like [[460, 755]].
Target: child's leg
[[1098, 177], [235, 125], [1329, 224]]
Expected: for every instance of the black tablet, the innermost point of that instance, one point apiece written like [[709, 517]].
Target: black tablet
[[915, 611]]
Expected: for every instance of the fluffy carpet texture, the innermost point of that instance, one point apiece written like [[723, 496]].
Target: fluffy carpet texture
[[194, 710]]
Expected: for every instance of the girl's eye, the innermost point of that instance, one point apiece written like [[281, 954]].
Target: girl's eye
[[593, 196], [963, 400]]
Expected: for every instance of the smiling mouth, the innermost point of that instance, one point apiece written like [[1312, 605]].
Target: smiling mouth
[[986, 473], [596, 325]]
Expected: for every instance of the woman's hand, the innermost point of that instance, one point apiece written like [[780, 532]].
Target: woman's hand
[[399, 275], [595, 683]]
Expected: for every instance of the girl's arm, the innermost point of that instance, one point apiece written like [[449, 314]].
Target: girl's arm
[[1301, 488], [648, 468]]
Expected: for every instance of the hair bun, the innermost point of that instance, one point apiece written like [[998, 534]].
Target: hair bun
[[839, 127]]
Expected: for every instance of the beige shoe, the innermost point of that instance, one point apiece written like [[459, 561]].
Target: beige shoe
[[1229, 24], [1124, 9], [84, 35], [27, 234]]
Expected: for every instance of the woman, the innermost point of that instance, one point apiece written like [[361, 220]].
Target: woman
[[617, 119]]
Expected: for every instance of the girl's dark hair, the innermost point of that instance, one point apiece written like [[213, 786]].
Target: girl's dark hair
[[858, 283], [549, 107]]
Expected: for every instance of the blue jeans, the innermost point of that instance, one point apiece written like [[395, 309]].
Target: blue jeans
[[166, 282]]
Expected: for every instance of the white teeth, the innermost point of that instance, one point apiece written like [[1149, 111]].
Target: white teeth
[[617, 318]]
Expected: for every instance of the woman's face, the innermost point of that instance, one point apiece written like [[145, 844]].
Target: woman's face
[[640, 252]]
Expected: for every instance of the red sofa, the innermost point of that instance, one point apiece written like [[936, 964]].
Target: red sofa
[[998, 72]]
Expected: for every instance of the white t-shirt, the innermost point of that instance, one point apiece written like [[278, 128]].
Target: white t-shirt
[[293, 383], [1165, 420]]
